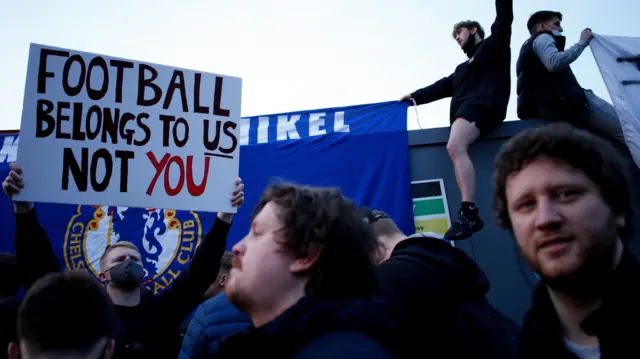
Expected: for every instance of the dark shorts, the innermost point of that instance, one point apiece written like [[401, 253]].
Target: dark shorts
[[486, 119]]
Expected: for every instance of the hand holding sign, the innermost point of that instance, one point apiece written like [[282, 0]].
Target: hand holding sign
[[12, 185], [237, 200], [98, 129]]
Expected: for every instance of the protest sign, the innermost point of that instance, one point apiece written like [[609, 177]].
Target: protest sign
[[103, 130]]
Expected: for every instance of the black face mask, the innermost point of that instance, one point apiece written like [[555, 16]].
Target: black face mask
[[469, 47], [127, 275]]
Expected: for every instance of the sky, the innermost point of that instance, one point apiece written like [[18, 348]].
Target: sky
[[292, 54]]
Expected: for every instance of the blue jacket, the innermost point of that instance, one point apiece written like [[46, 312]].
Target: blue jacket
[[213, 320]]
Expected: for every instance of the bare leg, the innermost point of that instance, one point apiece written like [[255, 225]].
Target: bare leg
[[463, 134]]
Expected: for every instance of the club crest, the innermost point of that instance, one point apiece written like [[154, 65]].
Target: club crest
[[167, 239]]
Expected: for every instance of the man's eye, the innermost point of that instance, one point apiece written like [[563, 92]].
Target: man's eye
[[568, 195]]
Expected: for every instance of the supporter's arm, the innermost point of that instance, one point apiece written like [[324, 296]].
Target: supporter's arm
[[33, 250], [501, 27], [187, 292], [434, 92], [545, 47]]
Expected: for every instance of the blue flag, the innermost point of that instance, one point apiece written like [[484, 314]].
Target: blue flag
[[363, 150]]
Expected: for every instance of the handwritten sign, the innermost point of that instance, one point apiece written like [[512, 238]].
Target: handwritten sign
[[103, 130]]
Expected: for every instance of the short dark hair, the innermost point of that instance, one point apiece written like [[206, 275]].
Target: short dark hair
[[225, 263], [11, 276], [468, 24], [323, 218], [594, 156], [380, 222], [540, 17], [45, 316]]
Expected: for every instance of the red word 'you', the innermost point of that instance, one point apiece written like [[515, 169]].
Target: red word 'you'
[[165, 165]]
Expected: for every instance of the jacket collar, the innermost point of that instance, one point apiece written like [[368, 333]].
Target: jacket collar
[[542, 326]]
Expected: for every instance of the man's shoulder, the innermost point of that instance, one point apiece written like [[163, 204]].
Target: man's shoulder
[[542, 39], [419, 242], [218, 303]]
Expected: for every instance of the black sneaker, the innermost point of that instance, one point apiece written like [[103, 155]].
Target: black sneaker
[[464, 227]]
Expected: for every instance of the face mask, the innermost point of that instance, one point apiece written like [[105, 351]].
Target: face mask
[[127, 275], [468, 46], [553, 31]]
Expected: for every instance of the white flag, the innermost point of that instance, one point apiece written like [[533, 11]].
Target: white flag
[[618, 58]]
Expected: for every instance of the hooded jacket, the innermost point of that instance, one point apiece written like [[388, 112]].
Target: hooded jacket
[[485, 79], [318, 327], [438, 294]]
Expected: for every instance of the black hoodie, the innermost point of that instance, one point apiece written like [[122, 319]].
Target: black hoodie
[[318, 327], [439, 296], [485, 79]]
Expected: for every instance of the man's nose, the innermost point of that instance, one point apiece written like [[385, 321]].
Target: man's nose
[[547, 216], [239, 248]]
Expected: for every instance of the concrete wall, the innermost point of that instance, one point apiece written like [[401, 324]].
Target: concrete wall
[[493, 249]]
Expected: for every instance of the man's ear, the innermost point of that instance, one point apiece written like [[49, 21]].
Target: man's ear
[[103, 277], [13, 351], [380, 254], [304, 264], [222, 280], [111, 347]]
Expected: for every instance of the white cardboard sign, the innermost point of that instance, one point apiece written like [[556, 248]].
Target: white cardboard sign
[[109, 131]]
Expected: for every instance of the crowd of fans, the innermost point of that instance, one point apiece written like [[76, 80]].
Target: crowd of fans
[[316, 276]]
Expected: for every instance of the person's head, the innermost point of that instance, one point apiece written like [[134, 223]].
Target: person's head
[[46, 325], [385, 230], [545, 21], [467, 34], [11, 278], [565, 195], [121, 266], [302, 241], [225, 267]]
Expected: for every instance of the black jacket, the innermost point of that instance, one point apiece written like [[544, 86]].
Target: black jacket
[[153, 324], [8, 324], [537, 86], [615, 323], [438, 294], [319, 328], [485, 79]]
